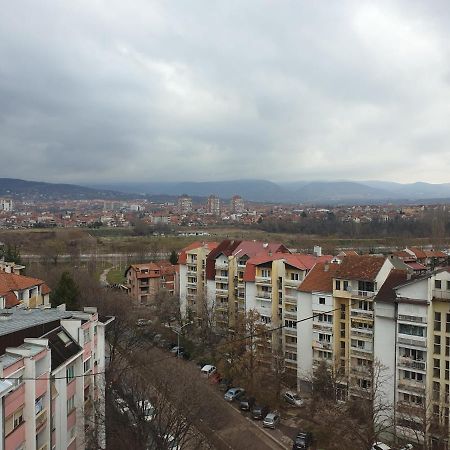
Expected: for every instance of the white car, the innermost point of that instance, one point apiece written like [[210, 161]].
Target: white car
[[293, 398], [380, 446], [208, 370]]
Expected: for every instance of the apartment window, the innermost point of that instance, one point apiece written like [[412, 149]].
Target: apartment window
[[363, 383], [13, 421], [448, 285], [415, 376], [290, 323], [266, 319], [87, 336], [447, 346], [70, 373], [437, 321], [265, 273], [447, 323], [290, 355], [412, 330], [295, 276], [324, 337], [342, 312], [436, 368], [38, 405], [447, 370], [321, 300], [87, 365], [365, 305], [437, 344], [436, 391], [337, 285], [70, 404], [437, 284], [345, 285]]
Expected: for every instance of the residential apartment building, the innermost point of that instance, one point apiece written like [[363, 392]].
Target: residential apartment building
[[52, 364], [184, 204], [145, 281], [415, 317], [237, 205], [6, 204], [22, 291], [213, 205], [192, 278]]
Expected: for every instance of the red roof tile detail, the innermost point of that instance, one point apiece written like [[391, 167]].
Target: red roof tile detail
[[320, 278], [12, 282], [363, 268], [395, 278], [11, 300], [182, 258]]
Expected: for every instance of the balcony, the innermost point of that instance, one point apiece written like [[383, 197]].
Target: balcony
[[412, 364], [290, 299], [263, 280], [412, 341], [292, 283], [221, 266], [415, 319], [365, 353], [222, 278], [290, 331], [363, 294], [360, 332], [41, 419], [290, 315], [221, 292], [323, 326], [264, 295], [322, 345], [412, 386], [191, 284], [361, 313], [441, 295], [361, 369]]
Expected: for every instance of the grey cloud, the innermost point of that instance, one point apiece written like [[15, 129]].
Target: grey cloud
[[113, 91]]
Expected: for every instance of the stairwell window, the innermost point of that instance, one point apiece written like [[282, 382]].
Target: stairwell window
[[70, 373], [70, 404]]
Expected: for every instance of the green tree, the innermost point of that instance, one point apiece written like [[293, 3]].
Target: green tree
[[66, 292], [173, 257], [10, 253]]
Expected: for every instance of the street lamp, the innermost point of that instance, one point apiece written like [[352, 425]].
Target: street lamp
[[178, 335]]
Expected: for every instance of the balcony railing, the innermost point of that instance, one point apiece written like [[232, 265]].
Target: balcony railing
[[411, 386], [222, 278], [362, 313], [419, 342], [41, 419], [290, 331], [292, 283], [411, 363], [221, 265], [322, 326], [263, 280], [442, 295], [363, 294], [360, 332], [361, 352], [405, 318], [265, 295]]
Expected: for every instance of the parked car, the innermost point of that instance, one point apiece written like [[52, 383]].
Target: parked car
[[177, 350], [380, 446], [246, 403], [272, 420], [234, 394], [293, 398], [225, 384], [303, 440], [259, 412], [208, 370]]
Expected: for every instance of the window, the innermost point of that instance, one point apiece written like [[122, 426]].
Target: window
[[87, 365], [70, 404], [265, 273], [448, 285], [70, 373], [437, 321], [291, 355], [266, 319], [437, 284], [295, 276], [437, 344], [447, 323], [13, 421], [412, 330], [38, 405], [324, 337], [290, 323], [447, 370], [321, 300], [345, 285], [436, 368], [337, 285]]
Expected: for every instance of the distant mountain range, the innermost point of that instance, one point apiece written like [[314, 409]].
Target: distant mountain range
[[315, 192]]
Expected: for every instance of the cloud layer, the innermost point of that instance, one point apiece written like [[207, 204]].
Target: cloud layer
[[95, 90]]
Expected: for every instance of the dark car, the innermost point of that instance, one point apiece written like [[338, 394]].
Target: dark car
[[259, 412], [246, 403], [303, 440]]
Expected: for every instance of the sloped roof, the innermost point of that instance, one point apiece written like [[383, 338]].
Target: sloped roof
[[61, 351], [320, 278], [395, 278], [420, 254], [182, 258], [12, 282], [45, 289], [416, 266], [305, 262], [252, 248], [226, 247], [363, 267], [11, 300]]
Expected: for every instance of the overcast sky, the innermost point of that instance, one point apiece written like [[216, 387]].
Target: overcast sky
[[94, 90]]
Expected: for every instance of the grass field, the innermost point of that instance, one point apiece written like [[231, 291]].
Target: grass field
[[115, 276]]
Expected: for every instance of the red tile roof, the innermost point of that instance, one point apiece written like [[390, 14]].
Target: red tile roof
[[252, 248], [395, 278], [45, 289], [12, 282], [226, 248], [182, 258], [320, 278], [420, 254], [363, 267], [11, 300]]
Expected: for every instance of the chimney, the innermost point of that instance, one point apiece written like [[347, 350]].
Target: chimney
[[317, 250]]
